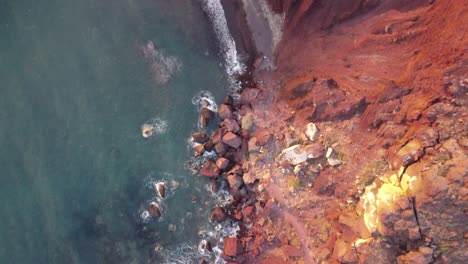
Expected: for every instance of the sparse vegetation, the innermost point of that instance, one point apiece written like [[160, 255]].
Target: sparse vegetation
[[373, 170]]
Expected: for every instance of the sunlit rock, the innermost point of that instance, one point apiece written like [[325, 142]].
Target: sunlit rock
[[311, 132]]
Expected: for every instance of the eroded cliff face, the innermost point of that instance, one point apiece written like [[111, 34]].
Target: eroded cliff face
[[384, 177]]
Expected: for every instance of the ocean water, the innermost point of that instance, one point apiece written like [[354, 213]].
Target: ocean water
[[78, 80]]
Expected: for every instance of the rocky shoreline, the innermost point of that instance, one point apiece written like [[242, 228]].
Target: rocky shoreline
[[332, 160]]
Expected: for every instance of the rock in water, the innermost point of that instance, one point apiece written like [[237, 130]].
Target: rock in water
[[205, 245], [218, 215], [210, 169], [200, 137], [206, 115], [147, 131], [154, 210], [161, 189]]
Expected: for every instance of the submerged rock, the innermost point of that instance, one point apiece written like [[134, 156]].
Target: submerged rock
[[154, 210], [161, 189]]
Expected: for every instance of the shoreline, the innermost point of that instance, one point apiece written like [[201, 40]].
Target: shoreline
[[310, 155]]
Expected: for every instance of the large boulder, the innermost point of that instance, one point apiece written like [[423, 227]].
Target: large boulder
[[200, 137], [264, 137], [232, 246], [199, 150], [206, 116], [232, 140], [210, 169], [218, 135], [220, 148], [298, 154], [235, 181], [225, 111], [231, 125], [218, 215], [222, 163]]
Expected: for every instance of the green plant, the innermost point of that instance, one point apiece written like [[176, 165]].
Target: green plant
[[295, 183]]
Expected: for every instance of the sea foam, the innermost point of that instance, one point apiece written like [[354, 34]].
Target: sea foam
[[227, 45], [163, 66], [155, 126]]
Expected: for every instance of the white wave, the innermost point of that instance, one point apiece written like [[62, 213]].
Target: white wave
[[153, 127], [145, 216], [205, 99], [163, 66], [215, 12]]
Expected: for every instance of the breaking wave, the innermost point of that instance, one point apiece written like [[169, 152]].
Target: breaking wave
[[205, 99], [153, 127], [233, 64]]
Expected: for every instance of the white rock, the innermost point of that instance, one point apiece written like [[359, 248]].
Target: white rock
[[294, 155], [333, 162], [329, 153], [311, 131], [297, 169]]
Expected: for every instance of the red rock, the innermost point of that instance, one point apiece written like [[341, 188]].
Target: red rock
[[237, 216], [220, 148], [236, 170], [209, 145], [225, 111], [248, 95], [291, 251], [200, 137], [246, 211], [209, 169], [154, 210], [231, 125], [218, 215], [315, 150], [199, 150], [218, 135], [222, 163], [253, 145], [264, 137], [232, 246], [232, 140], [206, 116], [235, 181], [228, 100]]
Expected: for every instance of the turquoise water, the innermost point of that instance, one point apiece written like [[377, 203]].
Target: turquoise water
[[75, 88]]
